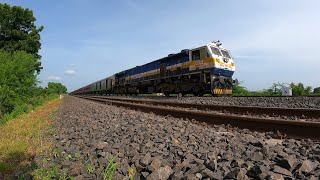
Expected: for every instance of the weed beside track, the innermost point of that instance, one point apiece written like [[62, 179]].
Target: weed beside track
[[22, 138]]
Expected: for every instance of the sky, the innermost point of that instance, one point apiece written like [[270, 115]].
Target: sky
[[87, 40]]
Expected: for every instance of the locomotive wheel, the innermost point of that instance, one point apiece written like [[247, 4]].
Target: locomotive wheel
[[198, 94], [215, 95], [166, 93]]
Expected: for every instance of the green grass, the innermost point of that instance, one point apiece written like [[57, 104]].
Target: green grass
[[110, 169], [22, 138], [23, 108]]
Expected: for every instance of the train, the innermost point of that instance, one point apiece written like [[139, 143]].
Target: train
[[207, 69]]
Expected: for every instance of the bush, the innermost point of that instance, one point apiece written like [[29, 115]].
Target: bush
[[56, 88], [276, 90], [17, 77], [239, 90], [18, 85], [300, 90], [20, 63]]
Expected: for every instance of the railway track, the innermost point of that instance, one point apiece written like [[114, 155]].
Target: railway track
[[292, 129], [254, 110]]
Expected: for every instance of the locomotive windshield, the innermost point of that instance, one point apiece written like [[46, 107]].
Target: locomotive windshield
[[225, 53], [216, 51]]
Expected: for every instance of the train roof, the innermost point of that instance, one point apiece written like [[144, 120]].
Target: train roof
[[183, 52]]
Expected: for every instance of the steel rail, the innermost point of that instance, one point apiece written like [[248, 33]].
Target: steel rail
[[271, 111], [313, 96], [292, 129]]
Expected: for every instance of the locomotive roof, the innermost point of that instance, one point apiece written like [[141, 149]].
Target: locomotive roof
[[164, 59]]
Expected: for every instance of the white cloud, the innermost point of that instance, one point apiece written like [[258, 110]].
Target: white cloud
[[54, 78], [70, 72]]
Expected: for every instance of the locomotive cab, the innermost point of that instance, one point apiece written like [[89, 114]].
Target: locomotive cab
[[223, 69], [217, 67]]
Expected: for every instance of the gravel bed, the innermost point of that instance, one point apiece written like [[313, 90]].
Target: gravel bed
[[247, 114], [155, 147], [283, 102]]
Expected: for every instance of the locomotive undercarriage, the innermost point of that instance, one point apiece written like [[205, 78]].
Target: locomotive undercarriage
[[196, 84]]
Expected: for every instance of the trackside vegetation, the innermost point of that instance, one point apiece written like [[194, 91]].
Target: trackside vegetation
[[276, 90], [18, 32], [23, 138], [20, 64], [23, 135], [19, 92]]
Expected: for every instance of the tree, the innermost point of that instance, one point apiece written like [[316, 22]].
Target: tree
[[16, 79], [19, 33], [276, 89], [297, 90], [300, 90], [316, 90], [56, 88], [239, 90], [308, 90]]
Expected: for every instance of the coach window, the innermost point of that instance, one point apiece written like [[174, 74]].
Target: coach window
[[195, 55]]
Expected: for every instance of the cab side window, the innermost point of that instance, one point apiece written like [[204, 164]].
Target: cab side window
[[195, 55], [203, 53]]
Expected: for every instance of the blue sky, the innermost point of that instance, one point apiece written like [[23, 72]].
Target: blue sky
[[86, 40]]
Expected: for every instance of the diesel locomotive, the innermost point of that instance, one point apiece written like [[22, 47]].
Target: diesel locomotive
[[205, 69]]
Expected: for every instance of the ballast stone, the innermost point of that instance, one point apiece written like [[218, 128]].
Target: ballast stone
[[162, 173], [288, 163], [307, 166], [283, 171]]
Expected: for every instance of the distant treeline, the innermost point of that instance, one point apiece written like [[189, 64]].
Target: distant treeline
[[276, 90], [20, 63]]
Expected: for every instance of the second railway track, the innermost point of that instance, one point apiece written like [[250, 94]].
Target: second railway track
[[294, 129], [271, 111]]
